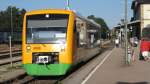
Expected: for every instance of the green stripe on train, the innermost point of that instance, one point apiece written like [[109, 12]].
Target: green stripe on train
[[43, 70]]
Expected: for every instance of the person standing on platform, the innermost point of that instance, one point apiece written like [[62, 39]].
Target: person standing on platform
[[117, 42]]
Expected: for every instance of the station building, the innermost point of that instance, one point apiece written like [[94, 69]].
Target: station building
[[140, 18]]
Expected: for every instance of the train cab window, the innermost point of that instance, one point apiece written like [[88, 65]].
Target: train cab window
[[50, 28]]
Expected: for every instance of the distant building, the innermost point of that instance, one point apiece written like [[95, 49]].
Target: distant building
[[141, 11], [140, 18]]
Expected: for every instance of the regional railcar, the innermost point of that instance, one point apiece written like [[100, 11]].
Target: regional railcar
[[54, 40]]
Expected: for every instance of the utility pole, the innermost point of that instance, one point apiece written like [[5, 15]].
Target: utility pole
[[10, 37], [11, 22], [68, 4], [126, 33]]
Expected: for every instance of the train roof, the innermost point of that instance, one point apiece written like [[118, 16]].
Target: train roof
[[49, 10], [90, 21], [87, 20]]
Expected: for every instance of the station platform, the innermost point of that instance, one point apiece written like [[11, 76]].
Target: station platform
[[115, 71]]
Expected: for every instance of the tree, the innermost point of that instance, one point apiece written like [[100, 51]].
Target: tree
[[104, 27], [5, 18]]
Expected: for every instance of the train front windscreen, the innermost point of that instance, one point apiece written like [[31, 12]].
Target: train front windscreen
[[47, 28]]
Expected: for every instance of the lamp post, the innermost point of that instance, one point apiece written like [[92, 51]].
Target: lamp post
[[126, 34]]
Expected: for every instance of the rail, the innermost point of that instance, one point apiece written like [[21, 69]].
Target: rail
[[7, 51], [4, 56]]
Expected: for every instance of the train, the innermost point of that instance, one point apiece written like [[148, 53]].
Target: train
[[145, 44], [55, 40]]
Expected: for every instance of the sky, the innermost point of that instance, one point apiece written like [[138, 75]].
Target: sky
[[110, 10]]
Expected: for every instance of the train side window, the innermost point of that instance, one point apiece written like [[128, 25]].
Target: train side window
[[78, 41], [76, 32], [81, 35], [75, 27]]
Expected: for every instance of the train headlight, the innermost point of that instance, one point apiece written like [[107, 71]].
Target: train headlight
[[47, 15], [63, 47], [28, 48], [145, 53]]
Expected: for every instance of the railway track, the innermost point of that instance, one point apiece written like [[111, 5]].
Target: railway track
[[5, 57], [5, 60], [23, 78]]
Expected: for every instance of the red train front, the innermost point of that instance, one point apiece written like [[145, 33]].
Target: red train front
[[145, 44]]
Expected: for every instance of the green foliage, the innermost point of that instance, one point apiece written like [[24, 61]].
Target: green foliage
[[17, 17], [104, 27]]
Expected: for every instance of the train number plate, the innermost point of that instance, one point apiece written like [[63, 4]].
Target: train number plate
[[43, 59]]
